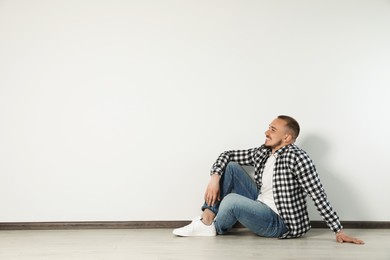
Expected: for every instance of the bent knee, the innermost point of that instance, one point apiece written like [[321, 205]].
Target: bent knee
[[232, 168], [232, 165]]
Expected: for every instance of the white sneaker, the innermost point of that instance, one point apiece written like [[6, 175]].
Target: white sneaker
[[196, 228]]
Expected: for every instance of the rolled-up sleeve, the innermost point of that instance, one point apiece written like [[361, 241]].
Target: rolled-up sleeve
[[243, 157]]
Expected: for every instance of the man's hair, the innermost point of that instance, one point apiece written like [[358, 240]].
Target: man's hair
[[292, 125]]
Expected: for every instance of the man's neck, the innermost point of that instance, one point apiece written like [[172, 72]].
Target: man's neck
[[274, 150]]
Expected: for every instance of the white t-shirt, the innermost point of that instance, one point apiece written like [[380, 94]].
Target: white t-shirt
[[266, 194]]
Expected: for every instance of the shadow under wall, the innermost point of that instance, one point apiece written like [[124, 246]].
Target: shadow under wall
[[341, 194]]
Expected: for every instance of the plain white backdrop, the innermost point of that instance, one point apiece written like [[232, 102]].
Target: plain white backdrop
[[115, 110]]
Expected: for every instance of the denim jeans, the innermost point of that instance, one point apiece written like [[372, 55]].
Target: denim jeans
[[238, 193]]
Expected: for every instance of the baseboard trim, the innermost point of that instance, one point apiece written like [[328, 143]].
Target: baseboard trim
[[157, 225], [355, 224], [91, 225]]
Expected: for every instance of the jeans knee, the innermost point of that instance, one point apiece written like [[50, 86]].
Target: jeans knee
[[231, 168], [231, 165]]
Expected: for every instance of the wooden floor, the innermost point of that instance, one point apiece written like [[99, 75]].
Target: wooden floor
[[114, 244]]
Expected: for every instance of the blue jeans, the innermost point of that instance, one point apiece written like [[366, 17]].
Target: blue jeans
[[238, 193]]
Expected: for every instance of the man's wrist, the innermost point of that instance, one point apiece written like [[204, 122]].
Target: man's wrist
[[216, 175]]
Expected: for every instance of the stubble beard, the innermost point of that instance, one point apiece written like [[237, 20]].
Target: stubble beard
[[273, 146]]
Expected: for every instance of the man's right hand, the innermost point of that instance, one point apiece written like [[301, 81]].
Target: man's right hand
[[211, 195]]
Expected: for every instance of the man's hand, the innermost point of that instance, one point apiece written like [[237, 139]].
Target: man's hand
[[341, 237], [211, 195]]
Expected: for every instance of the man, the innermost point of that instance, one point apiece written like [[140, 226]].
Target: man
[[274, 203]]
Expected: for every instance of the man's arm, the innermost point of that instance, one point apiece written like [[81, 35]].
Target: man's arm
[[310, 182], [243, 157]]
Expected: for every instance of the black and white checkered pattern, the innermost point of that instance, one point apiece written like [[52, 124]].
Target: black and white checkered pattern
[[295, 176]]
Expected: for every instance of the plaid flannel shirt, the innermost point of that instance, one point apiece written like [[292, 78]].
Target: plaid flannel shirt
[[295, 176]]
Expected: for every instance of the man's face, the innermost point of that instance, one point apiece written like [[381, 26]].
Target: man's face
[[275, 136]]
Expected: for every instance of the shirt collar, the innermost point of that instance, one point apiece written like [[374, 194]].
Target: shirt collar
[[280, 151]]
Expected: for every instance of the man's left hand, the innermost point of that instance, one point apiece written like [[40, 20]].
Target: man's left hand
[[341, 237]]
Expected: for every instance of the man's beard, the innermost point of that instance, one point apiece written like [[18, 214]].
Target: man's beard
[[273, 146]]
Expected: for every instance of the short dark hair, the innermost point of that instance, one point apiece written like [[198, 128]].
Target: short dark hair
[[291, 124]]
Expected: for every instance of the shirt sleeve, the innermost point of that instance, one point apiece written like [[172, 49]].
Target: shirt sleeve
[[310, 182], [243, 157]]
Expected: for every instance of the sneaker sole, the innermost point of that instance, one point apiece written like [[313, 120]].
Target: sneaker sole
[[195, 235]]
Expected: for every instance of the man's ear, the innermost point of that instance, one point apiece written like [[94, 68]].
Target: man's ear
[[287, 138]]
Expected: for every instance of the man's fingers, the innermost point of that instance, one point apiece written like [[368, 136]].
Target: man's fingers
[[357, 241], [210, 199], [345, 238]]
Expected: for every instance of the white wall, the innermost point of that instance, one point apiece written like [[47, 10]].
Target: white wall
[[116, 110]]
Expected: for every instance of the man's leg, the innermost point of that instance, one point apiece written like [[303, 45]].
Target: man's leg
[[253, 214], [234, 180]]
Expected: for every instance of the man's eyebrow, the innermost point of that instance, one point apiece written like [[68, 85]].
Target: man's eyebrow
[[272, 127]]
